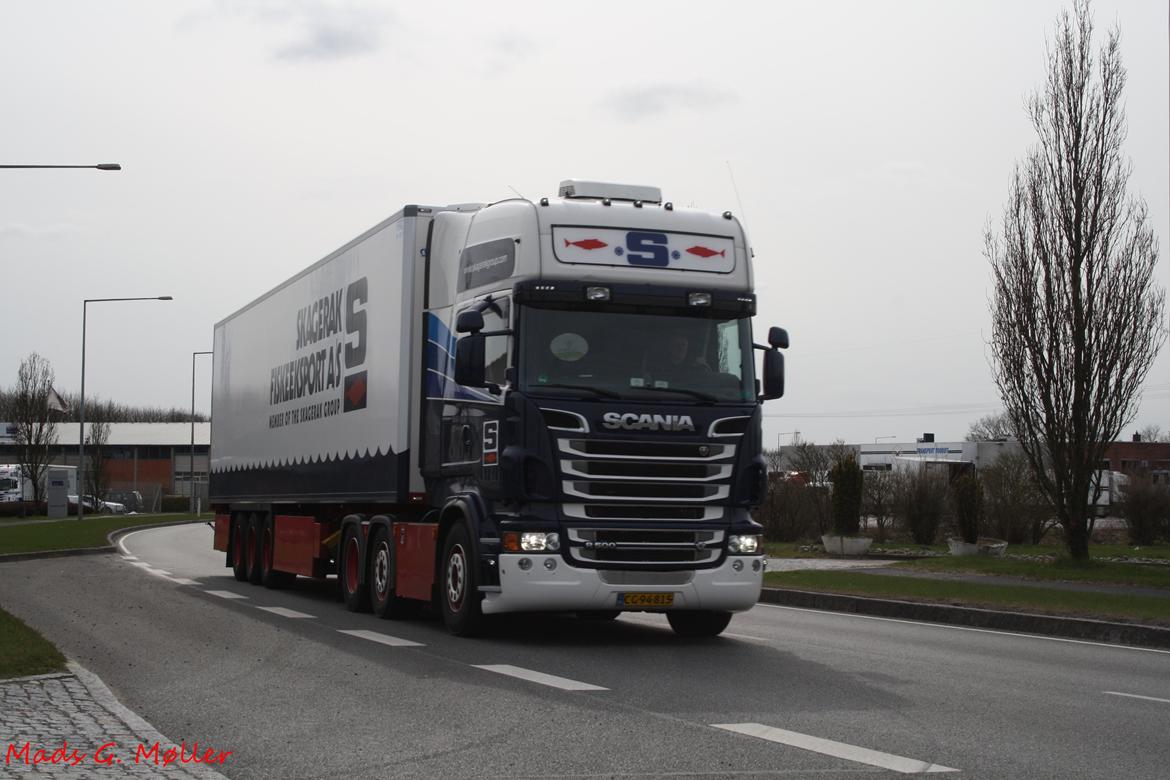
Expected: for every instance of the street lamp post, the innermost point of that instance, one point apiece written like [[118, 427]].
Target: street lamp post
[[99, 166], [81, 405], [191, 464]]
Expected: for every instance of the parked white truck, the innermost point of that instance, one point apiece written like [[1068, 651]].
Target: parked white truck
[[521, 406], [14, 486]]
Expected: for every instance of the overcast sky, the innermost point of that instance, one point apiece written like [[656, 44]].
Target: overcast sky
[[865, 144]]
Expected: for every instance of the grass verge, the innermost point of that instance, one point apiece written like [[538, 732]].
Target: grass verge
[[1123, 551], [70, 534], [24, 651], [1061, 569], [1019, 598]]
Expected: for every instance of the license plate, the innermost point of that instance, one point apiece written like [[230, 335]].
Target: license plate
[[645, 599]]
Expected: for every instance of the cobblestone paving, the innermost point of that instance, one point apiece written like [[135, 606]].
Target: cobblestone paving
[[66, 719]]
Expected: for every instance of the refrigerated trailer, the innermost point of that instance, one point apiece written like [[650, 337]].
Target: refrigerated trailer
[[522, 406]]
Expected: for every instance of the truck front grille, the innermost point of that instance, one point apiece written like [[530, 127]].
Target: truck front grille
[[649, 546], [632, 477]]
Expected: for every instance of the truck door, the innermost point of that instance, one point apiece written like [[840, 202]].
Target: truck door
[[472, 416]]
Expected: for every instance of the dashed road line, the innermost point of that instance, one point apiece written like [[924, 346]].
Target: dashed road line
[[950, 627], [225, 594], [860, 755], [285, 612], [380, 638], [1137, 696], [551, 680]]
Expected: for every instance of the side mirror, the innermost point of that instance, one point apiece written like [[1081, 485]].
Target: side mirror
[[777, 338], [773, 374], [470, 363], [469, 321]]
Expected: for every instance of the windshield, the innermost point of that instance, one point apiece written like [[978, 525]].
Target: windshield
[[636, 356]]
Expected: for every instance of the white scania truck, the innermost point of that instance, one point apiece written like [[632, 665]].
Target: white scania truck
[[520, 406]]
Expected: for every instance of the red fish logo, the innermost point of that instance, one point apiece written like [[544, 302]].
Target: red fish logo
[[587, 243], [705, 252]]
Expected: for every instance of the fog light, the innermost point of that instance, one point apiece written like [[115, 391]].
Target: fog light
[[737, 564], [550, 563], [699, 299], [524, 564], [756, 565], [743, 544], [597, 293]]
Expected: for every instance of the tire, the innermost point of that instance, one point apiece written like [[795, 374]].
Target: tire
[[381, 577], [698, 624], [239, 547], [599, 615], [349, 566], [269, 577], [459, 585]]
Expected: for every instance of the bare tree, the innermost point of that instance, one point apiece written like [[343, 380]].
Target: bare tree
[[1152, 433], [880, 491], [97, 476], [1075, 315], [30, 409], [993, 427]]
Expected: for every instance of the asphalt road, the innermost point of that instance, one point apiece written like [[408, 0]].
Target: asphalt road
[[297, 687]]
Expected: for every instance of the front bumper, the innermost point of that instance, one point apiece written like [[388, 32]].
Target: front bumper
[[566, 588]]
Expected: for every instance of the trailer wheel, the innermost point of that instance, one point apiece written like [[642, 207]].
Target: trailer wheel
[[239, 547], [459, 586], [699, 623], [349, 566], [381, 579], [255, 530], [269, 576]]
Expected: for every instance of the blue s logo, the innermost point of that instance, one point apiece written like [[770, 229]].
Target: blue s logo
[[649, 249]]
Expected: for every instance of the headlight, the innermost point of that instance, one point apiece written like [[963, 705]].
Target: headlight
[[744, 545], [540, 541]]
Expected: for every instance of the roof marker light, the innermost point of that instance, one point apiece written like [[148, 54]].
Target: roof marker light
[[669, 206], [699, 299], [597, 293], [727, 215], [544, 201]]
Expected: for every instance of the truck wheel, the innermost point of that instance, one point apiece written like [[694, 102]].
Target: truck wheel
[[702, 623], [349, 566], [269, 576], [239, 548], [381, 579], [459, 586], [255, 526]]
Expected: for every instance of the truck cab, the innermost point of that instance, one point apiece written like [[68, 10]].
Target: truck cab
[[592, 404]]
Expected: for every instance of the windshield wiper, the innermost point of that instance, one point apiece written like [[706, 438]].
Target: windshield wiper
[[686, 391], [598, 391]]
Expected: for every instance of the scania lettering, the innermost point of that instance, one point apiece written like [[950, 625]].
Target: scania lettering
[[524, 406]]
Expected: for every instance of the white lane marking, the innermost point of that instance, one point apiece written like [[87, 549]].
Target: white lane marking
[[129, 557], [288, 613], [1137, 696], [747, 636], [860, 755], [225, 594], [540, 677], [966, 628], [185, 581], [384, 639]]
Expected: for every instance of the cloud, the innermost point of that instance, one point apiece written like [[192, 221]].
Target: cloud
[[36, 231], [315, 30], [642, 102], [333, 33]]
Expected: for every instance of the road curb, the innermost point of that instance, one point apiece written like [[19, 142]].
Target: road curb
[[28, 556], [103, 550], [1133, 634]]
